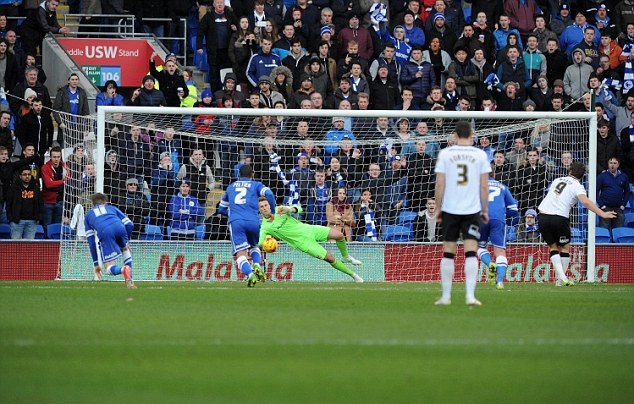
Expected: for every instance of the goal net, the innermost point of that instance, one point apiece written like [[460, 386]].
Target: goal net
[[369, 173]]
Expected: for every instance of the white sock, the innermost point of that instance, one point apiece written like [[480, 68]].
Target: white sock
[[471, 275], [447, 267], [558, 267], [565, 262]]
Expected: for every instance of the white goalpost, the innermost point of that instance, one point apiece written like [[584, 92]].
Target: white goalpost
[[291, 150]]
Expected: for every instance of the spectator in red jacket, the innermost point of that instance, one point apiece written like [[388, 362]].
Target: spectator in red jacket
[[54, 174]]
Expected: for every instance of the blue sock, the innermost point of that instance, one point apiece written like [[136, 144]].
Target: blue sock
[[501, 264], [256, 256], [244, 266], [484, 256], [115, 270]]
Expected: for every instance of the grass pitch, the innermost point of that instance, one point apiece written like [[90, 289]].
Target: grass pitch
[[87, 342]]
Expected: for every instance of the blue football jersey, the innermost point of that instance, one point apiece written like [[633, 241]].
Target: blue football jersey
[[241, 199], [105, 217], [501, 202], [112, 227]]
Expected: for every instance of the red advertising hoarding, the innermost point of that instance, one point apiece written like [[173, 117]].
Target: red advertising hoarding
[[125, 61]]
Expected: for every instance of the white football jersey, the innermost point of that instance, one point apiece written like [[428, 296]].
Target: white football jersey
[[562, 196], [462, 166]]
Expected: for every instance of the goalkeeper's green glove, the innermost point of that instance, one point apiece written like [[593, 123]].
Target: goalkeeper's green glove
[[284, 209]]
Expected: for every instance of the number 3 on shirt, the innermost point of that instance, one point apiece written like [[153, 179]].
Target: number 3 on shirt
[[463, 172], [240, 199]]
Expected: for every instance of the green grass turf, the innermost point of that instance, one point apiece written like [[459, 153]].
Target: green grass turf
[[86, 342]]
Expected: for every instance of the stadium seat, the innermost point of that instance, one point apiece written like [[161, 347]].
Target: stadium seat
[[602, 235], [407, 216], [5, 231], [629, 220], [152, 232], [623, 235], [39, 233], [200, 232], [68, 233], [398, 233], [576, 236], [54, 231]]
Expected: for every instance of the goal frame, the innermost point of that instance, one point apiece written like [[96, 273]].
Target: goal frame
[[329, 113]]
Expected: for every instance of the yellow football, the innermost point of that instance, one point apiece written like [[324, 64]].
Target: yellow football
[[269, 244]]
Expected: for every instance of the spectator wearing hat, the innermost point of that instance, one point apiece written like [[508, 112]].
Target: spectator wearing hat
[[147, 96], [522, 15], [440, 30], [384, 90], [528, 230], [353, 31], [601, 18], [327, 34], [186, 213], [561, 20], [541, 94], [542, 33], [577, 75], [575, 33], [302, 175], [413, 34], [282, 82], [304, 91], [453, 17], [418, 75], [109, 96], [556, 61], [334, 136], [268, 97], [296, 60], [134, 204]]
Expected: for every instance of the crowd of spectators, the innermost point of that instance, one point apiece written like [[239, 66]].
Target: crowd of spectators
[[361, 55]]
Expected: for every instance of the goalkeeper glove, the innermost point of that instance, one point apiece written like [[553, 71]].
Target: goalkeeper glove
[[284, 209]]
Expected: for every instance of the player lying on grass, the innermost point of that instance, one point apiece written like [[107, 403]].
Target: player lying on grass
[[114, 230], [304, 237], [501, 205]]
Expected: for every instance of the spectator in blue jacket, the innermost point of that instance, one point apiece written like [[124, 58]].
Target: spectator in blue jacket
[[109, 96], [262, 62], [418, 75], [185, 212], [574, 34], [613, 190]]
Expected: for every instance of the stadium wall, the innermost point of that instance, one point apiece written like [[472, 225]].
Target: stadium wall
[[179, 261]]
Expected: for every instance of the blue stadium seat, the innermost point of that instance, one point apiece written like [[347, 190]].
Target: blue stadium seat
[[602, 235], [54, 231], [68, 233], [576, 236], [629, 219], [200, 232], [398, 233], [5, 231], [39, 233], [407, 216], [152, 232], [623, 235]]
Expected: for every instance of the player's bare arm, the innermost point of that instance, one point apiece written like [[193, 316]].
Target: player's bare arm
[[593, 207], [484, 197], [440, 192]]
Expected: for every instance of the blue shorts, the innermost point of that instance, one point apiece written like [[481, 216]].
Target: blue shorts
[[495, 232], [111, 242], [244, 234]]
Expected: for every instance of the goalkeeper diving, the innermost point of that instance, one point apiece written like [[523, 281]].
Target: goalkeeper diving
[[304, 237]]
